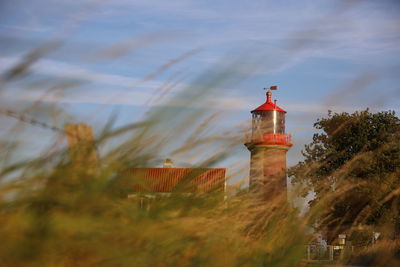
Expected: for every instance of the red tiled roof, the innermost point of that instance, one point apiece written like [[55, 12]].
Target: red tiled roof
[[185, 180]]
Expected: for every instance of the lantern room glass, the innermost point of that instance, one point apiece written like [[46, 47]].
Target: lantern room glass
[[268, 121]]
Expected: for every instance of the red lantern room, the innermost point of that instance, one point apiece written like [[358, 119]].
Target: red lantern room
[[268, 145], [269, 123]]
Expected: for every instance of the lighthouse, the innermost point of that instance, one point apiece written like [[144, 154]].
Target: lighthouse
[[268, 145]]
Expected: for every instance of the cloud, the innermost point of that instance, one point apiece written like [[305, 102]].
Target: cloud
[[313, 30], [73, 71], [240, 103], [103, 86], [28, 28], [289, 29]]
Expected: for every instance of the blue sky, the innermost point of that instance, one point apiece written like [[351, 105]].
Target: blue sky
[[338, 55]]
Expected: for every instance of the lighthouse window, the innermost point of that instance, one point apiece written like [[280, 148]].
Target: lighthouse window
[[280, 124]]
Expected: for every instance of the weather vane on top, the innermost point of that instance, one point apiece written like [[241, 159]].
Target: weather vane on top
[[272, 88]]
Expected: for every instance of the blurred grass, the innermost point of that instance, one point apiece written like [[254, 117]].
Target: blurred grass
[[63, 215], [67, 207], [56, 211]]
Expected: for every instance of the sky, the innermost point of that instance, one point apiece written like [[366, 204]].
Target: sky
[[125, 55]]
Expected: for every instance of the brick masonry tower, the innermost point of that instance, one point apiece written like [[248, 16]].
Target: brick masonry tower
[[268, 145]]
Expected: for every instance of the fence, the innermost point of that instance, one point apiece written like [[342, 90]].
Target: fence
[[329, 252]]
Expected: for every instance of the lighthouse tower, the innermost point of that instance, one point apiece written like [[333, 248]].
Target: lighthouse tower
[[268, 145]]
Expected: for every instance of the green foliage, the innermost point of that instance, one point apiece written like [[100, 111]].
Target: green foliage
[[353, 166]]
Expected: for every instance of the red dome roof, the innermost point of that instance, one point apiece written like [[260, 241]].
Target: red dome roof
[[268, 105]]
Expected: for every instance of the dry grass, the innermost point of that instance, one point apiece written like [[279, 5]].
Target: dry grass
[[68, 208]]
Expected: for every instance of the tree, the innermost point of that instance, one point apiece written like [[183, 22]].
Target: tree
[[353, 166]]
